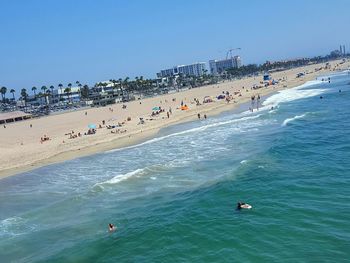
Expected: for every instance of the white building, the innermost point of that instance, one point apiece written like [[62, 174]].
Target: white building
[[219, 66], [196, 69], [60, 94]]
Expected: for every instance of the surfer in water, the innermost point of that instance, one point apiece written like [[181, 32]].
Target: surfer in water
[[241, 205], [111, 227]]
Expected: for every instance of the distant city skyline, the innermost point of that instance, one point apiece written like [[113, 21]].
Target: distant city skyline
[[52, 42]]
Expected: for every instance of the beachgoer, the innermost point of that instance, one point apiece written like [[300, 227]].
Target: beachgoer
[[241, 205], [30, 125], [205, 116], [111, 227], [85, 113], [167, 113], [4, 126], [199, 116]]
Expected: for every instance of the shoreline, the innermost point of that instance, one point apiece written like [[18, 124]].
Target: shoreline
[[116, 143], [136, 135]]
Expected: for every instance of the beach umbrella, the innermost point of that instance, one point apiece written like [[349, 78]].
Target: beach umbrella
[[92, 126], [155, 108]]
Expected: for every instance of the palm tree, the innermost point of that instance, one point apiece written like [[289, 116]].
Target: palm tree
[[67, 91], [120, 82], [51, 92], [60, 86], [47, 95], [43, 89], [34, 90], [24, 96], [85, 92], [13, 94], [3, 92]]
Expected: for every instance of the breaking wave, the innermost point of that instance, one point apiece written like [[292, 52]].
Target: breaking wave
[[288, 120]]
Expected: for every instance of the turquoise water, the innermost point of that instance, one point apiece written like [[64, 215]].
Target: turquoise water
[[173, 197]]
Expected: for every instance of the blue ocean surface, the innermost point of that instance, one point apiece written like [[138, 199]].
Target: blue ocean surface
[[173, 198]]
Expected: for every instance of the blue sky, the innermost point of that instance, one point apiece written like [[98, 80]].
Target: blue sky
[[47, 42]]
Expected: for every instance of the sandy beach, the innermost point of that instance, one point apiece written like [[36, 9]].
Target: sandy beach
[[22, 149]]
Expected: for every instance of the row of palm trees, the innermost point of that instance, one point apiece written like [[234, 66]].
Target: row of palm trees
[[44, 91], [3, 91]]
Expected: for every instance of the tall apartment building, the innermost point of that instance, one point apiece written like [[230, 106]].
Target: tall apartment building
[[219, 66], [196, 69]]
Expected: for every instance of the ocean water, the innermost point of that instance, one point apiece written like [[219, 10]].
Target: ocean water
[[173, 197]]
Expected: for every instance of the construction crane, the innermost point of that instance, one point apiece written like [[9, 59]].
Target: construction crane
[[229, 52]]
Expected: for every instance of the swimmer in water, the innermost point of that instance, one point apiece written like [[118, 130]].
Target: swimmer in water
[[241, 205], [111, 228]]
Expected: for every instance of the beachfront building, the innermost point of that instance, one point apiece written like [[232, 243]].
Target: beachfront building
[[105, 96], [196, 69], [219, 66], [63, 95]]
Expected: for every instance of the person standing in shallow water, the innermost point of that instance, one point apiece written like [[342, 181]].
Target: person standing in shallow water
[[252, 102]]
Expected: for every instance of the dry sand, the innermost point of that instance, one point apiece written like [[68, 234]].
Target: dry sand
[[21, 149]]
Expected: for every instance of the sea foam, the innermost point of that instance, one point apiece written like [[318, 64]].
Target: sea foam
[[197, 129], [288, 120], [294, 94]]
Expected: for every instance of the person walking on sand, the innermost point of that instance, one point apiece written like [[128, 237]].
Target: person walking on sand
[[199, 116]]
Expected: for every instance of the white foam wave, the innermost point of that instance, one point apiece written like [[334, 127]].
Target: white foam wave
[[244, 161], [121, 177], [198, 129], [288, 120], [294, 94]]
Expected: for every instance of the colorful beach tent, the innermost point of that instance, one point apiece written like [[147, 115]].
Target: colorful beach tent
[[155, 108], [184, 107], [92, 126]]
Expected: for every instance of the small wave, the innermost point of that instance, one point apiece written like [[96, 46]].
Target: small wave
[[198, 129], [288, 120], [119, 178], [14, 226], [243, 161], [294, 94], [157, 168]]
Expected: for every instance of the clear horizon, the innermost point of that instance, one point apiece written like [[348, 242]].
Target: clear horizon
[[47, 43]]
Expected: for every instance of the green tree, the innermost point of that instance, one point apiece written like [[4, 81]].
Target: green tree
[[85, 92], [60, 86], [68, 91], [3, 91], [43, 89], [13, 93], [34, 90], [24, 96]]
